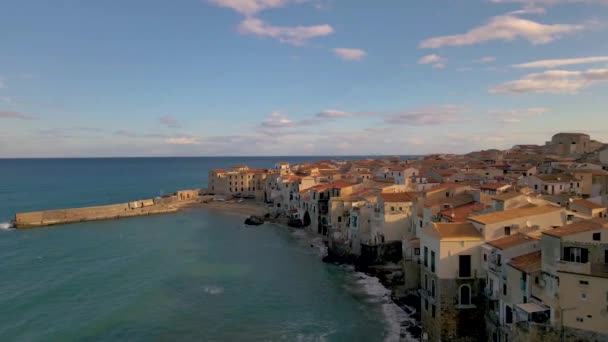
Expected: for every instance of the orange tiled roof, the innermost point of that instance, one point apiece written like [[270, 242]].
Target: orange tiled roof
[[510, 241], [577, 227], [528, 263], [396, 197], [506, 215], [587, 204]]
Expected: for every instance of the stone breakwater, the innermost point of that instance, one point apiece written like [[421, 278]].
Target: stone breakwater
[[160, 205]]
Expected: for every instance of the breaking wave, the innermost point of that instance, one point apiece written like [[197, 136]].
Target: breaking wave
[[396, 317], [213, 290], [6, 225]]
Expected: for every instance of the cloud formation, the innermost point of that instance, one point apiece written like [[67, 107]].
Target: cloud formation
[[169, 121], [350, 54], [486, 59], [427, 116], [553, 82], [183, 141], [250, 7], [436, 60], [8, 114], [556, 63], [505, 28], [296, 35], [334, 114], [520, 112]]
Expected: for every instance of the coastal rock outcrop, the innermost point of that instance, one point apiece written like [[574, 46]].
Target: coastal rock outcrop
[[254, 220]]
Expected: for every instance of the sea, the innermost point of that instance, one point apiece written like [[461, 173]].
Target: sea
[[196, 275]]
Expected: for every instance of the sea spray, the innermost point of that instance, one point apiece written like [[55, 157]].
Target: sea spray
[[6, 226]]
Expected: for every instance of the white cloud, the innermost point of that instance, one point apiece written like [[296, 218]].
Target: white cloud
[[529, 9], [506, 28], [183, 141], [350, 54], [296, 35], [250, 7], [486, 59], [276, 120], [429, 115], [436, 60], [520, 112], [333, 114], [7, 114], [555, 63], [553, 82], [169, 121]]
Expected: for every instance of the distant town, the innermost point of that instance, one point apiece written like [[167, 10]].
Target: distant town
[[494, 245]]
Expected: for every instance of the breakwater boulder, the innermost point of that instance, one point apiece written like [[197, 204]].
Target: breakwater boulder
[[254, 220]]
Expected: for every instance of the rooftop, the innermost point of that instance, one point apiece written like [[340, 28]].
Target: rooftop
[[528, 263], [506, 215], [507, 196], [577, 227], [396, 197], [587, 204], [456, 231], [510, 241]]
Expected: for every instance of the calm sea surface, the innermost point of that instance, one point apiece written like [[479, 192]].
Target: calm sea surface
[[196, 275]]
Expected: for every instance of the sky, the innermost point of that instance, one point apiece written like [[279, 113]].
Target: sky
[[298, 77]]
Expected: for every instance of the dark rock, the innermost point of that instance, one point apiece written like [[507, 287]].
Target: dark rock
[[254, 221], [295, 223]]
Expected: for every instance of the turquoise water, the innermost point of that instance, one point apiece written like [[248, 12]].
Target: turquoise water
[[195, 275]]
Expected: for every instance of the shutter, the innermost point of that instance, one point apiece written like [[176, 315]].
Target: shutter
[[584, 255]]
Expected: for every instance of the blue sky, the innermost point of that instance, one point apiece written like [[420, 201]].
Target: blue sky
[[297, 77]]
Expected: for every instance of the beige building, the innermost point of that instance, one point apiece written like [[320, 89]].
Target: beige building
[[239, 181], [451, 287]]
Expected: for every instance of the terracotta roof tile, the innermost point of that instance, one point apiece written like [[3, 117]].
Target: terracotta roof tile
[[577, 227], [506, 215], [528, 263], [510, 241], [396, 197], [587, 204]]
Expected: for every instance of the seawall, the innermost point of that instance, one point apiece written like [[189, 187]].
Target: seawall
[[160, 205]]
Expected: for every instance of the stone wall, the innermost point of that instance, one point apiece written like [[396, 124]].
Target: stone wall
[[134, 208]]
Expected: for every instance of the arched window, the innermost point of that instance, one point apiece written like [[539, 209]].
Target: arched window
[[465, 295]]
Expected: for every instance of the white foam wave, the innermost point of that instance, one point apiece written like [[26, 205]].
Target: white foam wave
[[6, 226], [320, 245], [396, 318], [213, 290]]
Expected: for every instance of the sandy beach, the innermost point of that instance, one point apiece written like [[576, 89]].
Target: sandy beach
[[245, 209]]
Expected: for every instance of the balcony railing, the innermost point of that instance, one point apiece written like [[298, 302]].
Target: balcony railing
[[573, 267]]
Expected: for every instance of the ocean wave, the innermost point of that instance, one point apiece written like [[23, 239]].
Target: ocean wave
[[213, 290], [396, 317], [6, 226]]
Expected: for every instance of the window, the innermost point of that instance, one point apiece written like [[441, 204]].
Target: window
[[339, 218], [426, 304], [426, 282], [426, 256], [416, 251], [433, 288], [576, 254], [485, 257], [465, 295], [583, 282], [504, 289], [464, 266], [392, 208], [433, 311], [432, 261], [597, 236], [507, 230]]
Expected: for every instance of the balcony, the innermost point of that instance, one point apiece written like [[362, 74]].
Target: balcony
[[573, 267]]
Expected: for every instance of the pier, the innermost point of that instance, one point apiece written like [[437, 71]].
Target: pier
[[159, 205]]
